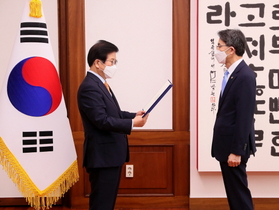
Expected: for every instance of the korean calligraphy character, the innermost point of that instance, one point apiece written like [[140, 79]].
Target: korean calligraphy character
[[251, 17], [258, 47], [275, 142], [273, 107], [259, 136], [273, 78], [212, 17], [275, 44]]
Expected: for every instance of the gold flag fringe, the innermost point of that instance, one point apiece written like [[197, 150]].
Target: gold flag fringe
[[36, 198], [35, 8]]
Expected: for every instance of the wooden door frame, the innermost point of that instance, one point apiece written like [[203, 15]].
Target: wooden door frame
[[72, 68], [72, 59]]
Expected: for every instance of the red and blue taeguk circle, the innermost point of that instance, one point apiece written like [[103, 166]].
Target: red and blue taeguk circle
[[34, 87]]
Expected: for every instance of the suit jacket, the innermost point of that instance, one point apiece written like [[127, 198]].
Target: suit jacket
[[234, 126], [105, 125]]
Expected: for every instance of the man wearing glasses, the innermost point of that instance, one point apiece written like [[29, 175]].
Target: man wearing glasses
[[106, 127], [233, 134]]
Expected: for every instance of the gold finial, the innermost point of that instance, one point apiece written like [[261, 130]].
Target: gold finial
[[35, 8]]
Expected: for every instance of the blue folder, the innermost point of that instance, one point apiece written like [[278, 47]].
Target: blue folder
[[155, 100]]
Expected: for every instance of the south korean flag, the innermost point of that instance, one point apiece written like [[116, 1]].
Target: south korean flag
[[36, 144]]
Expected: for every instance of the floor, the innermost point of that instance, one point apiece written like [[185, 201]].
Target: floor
[[64, 208]]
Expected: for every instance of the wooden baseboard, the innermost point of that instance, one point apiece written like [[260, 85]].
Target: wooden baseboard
[[152, 202], [208, 204], [13, 202], [222, 204], [19, 202], [172, 202]]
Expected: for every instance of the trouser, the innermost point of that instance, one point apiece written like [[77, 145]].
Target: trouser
[[104, 187], [236, 186]]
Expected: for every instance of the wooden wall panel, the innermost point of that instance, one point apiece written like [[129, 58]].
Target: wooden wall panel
[[167, 150], [173, 169], [76, 196], [181, 65], [153, 172], [72, 55]]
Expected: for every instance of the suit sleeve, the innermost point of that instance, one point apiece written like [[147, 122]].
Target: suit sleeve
[[128, 115], [102, 112], [245, 107]]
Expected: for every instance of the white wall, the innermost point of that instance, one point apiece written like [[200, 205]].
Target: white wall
[[10, 19], [210, 184]]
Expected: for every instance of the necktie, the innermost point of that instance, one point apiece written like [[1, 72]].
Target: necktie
[[224, 82], [107, 86]]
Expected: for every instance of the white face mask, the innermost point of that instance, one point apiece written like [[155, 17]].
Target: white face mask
[[221, 56], [109, 71]]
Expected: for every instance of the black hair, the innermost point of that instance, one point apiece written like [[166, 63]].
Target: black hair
[[234, 38], [100, 50]]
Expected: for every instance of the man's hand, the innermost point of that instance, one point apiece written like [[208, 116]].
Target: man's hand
[[234, 160], [140, 113], [140, 121]]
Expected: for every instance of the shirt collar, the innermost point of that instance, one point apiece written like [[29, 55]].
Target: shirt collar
[[234, 65], [97, 75]]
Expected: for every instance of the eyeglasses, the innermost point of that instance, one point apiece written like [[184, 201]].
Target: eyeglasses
[[219, 46], [113, 62]]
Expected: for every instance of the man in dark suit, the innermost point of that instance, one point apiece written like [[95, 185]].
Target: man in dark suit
[[105, 127], [233, 135]]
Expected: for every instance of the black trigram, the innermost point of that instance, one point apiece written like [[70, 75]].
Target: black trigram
[[34, 141], [33, 32]]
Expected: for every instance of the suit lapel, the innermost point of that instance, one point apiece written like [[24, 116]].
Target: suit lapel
[[231, 79], [116, 103], [105, 91], [230, 82], [110, 97]]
